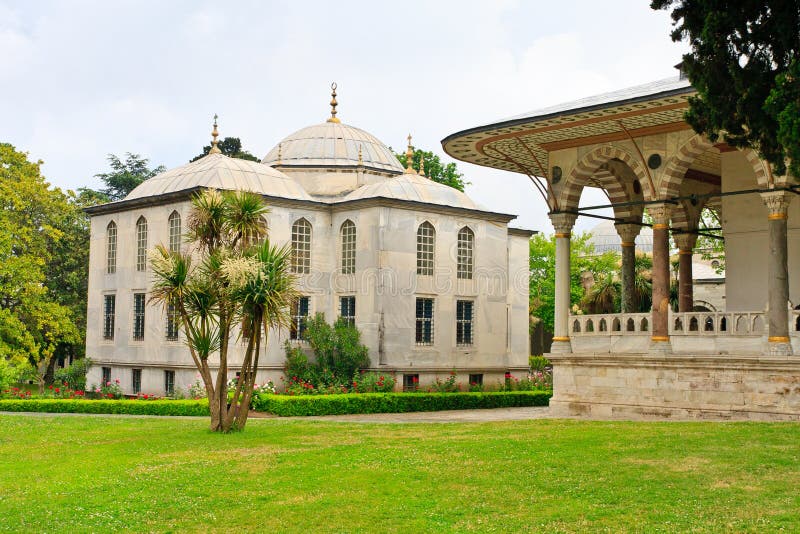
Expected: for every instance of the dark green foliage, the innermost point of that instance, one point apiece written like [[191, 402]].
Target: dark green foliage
[[287, 406], [230, 146], [131, 407], [74, 376], [338, 352], [743, 63], [126, 175], [538, 363], [435, 170]]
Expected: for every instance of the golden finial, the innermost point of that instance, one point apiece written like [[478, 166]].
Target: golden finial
[[422, 165], [360, 157], [280, 152], [214, 134], [333, 104], [409, 157]]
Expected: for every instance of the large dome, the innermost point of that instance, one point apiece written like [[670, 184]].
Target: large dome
[[333, 144], [216, 171], [415, 188]]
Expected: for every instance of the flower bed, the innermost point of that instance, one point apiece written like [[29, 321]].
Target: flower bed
[[132, 407], [286, 405]]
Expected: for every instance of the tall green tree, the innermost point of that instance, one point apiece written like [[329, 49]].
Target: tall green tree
[[583, 259], [240, 278], [36, 223], [230, 146], [126, 175], [434, 169], [744, 64]]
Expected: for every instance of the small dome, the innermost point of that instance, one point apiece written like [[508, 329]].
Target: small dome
[[333, 144], [216, 171], [415, 188]]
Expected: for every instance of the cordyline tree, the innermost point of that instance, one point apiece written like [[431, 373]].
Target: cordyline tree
[[239, 278], [744, 64]]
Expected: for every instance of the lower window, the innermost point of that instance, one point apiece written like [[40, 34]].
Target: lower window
[[136, 380], [106, 375], [476, 380], [347, 309], [424, 334], [410, 382], [464, 309], [299, 312], [169, 383]]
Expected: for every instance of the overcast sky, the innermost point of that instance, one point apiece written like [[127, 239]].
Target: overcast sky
[[80, 80]]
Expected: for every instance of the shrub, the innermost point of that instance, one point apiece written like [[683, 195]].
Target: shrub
[[373, 383], [74, 376], [9, 374], [133, 407], [338, 352], [538, 363], [109, 390], [445, 386], [285, 406]]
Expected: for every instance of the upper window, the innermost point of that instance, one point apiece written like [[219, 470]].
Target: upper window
[[426, 243], [111, 248], [466, 243], [141, 244], [301, 246], [348, 247], [175, 232], [347, 309]]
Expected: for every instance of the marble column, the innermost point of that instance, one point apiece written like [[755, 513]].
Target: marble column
[[628, 232], [562, 223], [777, 203], [660, 317], [685, 243]]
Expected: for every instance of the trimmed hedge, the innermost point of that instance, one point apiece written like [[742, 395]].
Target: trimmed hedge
[[131, 407], [285, 406]]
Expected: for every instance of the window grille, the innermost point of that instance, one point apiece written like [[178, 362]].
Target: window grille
[[109, 312], [138, 316], [299, 313], [136, 381], [169, 383], [348, 247], [347, 309], [424, 334], [301, 247], [141, 244], [173, 322], [464, 315], [466, 241], [426, 244]]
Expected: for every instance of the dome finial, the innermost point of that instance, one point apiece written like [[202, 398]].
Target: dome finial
[[214, 134], [280, 152], [360, 157], [409, 157], [422, 165], [333, 104]]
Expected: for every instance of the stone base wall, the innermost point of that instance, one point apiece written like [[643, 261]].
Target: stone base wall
[[675, 386]]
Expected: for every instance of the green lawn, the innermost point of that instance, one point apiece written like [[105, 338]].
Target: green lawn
[[77, 474]]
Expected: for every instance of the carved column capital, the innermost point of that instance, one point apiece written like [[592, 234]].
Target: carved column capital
[[563, 222], [660, 213], [685, 241], [628, 232], [777, 202]]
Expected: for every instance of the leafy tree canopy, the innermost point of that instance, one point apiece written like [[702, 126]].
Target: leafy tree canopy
[[39, 292], [126, 175], [744, 64], [583, 259], [436, 171], [230, 146]]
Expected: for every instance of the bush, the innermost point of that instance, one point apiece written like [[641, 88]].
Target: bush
[[9, 374], [133, 407], [445, 386], [373, 383], [338, 352], [74, 376], [284, 405], [538, 363]]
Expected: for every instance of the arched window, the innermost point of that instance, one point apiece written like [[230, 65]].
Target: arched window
[[466, 243], [111, 248], [426, 243], [301, 246], [348, 233], [141, 244], [175, 232]]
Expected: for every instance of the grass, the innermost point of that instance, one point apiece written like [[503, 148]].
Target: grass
[[80, 474]]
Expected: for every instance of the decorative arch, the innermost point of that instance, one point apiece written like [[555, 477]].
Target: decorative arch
[[679, 163], [588, 165]]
